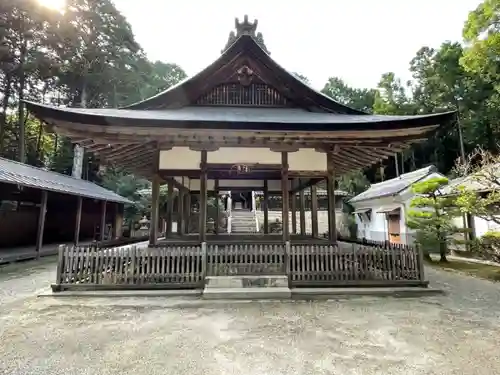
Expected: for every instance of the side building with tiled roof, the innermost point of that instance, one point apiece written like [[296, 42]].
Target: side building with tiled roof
[[40, 207], [380, 211]]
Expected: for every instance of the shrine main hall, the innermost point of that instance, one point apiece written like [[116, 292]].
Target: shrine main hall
[[243, 123]]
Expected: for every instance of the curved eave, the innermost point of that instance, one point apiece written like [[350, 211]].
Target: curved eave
[[235, 118], [176, 95]]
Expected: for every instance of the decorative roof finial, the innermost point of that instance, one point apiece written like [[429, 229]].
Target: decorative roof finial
[[245, 28]]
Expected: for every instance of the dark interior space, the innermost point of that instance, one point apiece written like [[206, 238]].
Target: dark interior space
[[19, 212]]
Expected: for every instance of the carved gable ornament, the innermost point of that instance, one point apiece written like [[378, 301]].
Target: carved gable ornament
[[245, 75]]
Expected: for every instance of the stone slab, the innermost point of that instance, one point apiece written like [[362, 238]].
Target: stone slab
[[276, 293], [262, 281], [330, 293], [123, 293]]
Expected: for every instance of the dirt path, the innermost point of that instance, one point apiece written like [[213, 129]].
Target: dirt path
[[454, 334]]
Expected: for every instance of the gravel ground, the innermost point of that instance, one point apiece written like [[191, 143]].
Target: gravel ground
[[454, 334]]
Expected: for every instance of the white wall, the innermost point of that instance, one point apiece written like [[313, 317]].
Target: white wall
[[376, 229]]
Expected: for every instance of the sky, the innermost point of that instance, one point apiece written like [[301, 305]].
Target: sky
[[356, 40]]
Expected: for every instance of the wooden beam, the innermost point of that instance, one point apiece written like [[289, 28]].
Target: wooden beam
[[180, 211], [332, 227], [41, 223], [78, 220], [302, 208], [266, 207], [314, 211], [285, 196], [155, 196], [170, 209], [293, 209], [217, 208], [203, 197], [103, 221]]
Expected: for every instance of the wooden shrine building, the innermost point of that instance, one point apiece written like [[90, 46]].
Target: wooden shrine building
[[242, 123]]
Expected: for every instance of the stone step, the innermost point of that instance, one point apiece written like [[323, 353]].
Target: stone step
[[247, 287], [247, 293], [246, 281]]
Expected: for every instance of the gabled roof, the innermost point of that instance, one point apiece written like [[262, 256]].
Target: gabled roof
[[13, 172], [187, 90], [393, 186]]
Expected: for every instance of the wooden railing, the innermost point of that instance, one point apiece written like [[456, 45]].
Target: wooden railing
[[354, 265], [186, 266], [179, 266]]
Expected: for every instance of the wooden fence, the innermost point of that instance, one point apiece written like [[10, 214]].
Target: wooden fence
[[352, 264], [186, 266], [179, 266], [246, 259]]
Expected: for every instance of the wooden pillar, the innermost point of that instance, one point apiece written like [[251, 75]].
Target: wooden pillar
[[78, 220], [155, 201], [217, 209], [203, 197], [103, 221], [41, 223], [118, 227], [180, 212], [266, 207], [285, 195], [314, 211], [170, 208], [187, 216], [293, 209], [302, 208], [332, 227]]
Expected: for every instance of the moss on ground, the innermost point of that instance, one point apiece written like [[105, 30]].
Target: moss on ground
[[484, 271]]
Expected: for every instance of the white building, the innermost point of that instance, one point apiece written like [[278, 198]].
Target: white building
[[380, 211]]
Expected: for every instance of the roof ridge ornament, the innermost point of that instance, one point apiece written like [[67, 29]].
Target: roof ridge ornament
[[245, 28]]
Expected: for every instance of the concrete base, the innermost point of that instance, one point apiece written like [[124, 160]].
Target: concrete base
[[275, 293], [332, 293], [247, 287], [123, 293], [264, 281]]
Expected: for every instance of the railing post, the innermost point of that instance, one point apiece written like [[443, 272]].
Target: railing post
[[60, 264], [286, 259], [204, 264], [420, 256]]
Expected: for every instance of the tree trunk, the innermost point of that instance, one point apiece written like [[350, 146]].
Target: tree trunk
[[442, 250], [5, 105], [20, 107]]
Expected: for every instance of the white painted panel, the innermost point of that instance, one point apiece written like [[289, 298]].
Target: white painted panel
[[180, 158], [243, 155], [241, 183], [307, 159], [194, 185]]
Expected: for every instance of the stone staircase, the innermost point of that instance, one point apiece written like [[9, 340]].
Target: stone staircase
[[242, 221]]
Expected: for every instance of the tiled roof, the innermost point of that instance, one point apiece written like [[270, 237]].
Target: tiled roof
[[393, 186], [13, 172]]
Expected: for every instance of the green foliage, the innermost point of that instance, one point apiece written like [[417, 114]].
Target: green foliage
[[128, 186], [360, 99], [478, 194], [431, 216]]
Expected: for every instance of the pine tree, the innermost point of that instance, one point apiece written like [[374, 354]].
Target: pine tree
[[431, 216]]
